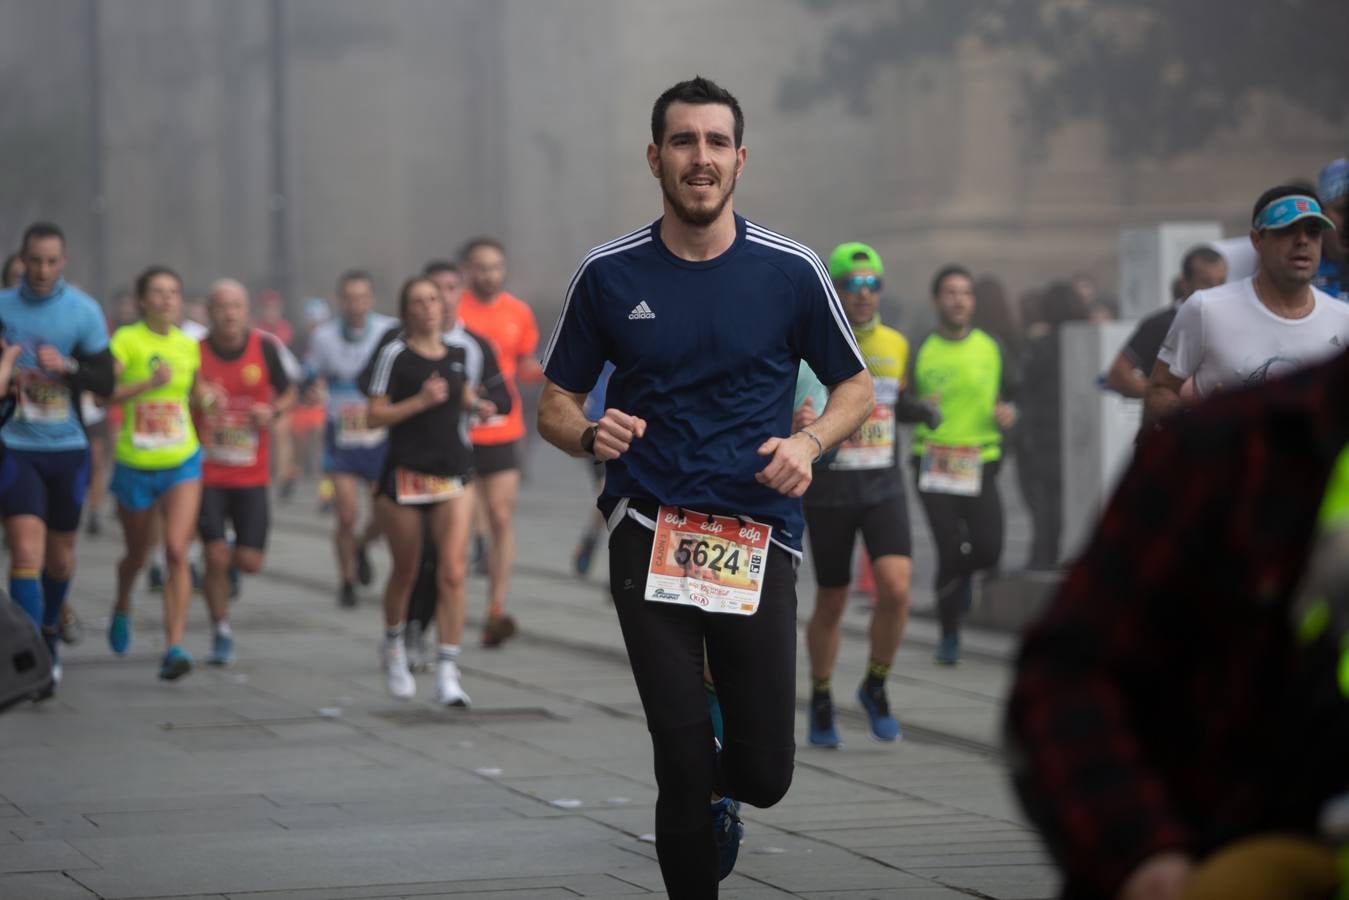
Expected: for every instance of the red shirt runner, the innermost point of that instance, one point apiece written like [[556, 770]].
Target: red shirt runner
[[236, 453]]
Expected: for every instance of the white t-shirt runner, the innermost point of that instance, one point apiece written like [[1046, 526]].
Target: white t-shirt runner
[[1225, 338]]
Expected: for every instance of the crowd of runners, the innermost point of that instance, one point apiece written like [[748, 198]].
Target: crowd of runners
[[187, 411], [737, 397]]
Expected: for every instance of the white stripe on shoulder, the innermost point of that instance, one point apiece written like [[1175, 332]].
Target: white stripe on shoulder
[[760, 236], [379, 382], [627, 242]]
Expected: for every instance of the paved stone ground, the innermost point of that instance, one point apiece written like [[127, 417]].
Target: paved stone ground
[[293, 775]]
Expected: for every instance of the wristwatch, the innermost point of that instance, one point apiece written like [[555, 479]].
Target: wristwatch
[[588, 440]]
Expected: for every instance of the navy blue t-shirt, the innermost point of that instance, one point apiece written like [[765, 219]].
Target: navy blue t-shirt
[[707, 353]]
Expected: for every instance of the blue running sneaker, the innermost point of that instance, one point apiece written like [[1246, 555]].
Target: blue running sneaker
[[729, 831], [877, 707], [176, 664], [820, 721], [119, 633], [222, 650], [948, 650]]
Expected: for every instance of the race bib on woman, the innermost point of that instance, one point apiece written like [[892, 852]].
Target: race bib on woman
[[418, 488], [158, 423]]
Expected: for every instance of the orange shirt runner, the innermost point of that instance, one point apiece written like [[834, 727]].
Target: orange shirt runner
[[509, 324]]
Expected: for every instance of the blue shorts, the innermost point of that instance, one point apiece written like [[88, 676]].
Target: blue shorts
[[138, 489], [49, 484], [363, 462]]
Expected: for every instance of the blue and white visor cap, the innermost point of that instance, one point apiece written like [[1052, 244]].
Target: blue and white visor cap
[[1286, 210]]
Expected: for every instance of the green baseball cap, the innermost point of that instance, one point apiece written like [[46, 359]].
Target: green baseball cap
[[843, 260]]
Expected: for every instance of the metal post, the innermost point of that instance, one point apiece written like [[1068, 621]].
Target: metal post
[[98, 204], [280, 232]]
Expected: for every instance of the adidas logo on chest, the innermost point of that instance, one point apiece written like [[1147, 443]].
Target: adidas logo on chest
[[641, 311]]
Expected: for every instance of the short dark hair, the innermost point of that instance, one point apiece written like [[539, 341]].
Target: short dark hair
[[40, 230], [1196, 255], [406, 290], [946, 272], [437, 266], [698, 90], [1278, 193], [481, 241], [351, 275], [149, 274]]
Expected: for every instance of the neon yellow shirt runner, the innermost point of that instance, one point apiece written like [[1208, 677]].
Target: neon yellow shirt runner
[[964, 378], [887, 356], [157, 430]]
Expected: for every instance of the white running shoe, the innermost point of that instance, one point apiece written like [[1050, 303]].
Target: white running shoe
[[448, 690], [401, 683]]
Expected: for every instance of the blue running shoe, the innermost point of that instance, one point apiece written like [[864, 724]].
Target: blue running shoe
[[877, 707], [729, 831], [948, 650], [222, 650], [820, 721], [176, 664], [119, 633]]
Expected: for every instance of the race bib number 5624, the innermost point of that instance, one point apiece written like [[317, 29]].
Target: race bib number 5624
[[715, 563]]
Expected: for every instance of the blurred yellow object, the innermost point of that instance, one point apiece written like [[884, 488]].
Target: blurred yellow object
[[1270, 867], [326, 490]]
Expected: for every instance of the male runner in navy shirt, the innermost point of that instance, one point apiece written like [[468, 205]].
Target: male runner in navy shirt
[[705, 316]]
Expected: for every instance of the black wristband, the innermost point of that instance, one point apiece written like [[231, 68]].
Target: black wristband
[[588, 440]]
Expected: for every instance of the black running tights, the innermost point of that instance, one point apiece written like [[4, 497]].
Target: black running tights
[[753, 661]]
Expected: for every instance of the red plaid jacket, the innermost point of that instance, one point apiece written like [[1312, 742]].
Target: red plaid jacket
[[1157, 704]]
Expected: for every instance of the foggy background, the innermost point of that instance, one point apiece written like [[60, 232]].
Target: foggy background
[[281, 141]]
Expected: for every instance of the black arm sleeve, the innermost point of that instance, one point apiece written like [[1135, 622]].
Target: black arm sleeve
[[493, 384], [908, 408], [95, 374], [276, 373]]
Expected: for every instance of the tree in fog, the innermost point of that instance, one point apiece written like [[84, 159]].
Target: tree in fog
[[1160, 75]]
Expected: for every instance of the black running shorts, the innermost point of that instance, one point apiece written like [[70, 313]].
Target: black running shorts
[[488, 459], [246, 508], [832, 529]]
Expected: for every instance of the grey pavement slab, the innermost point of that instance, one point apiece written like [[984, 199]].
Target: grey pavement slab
[[42, 855], [152, 865], [43, 886]]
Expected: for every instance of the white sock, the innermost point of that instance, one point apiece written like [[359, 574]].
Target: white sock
[[393, 637], [448, 653], [222, 628]]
